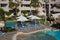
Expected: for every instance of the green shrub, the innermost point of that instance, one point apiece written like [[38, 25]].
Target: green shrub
[[1, 10], [8, 13], [24, 12], [11, 4]]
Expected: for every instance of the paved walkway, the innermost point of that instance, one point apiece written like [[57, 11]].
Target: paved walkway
[[21, 33], [7, 36], [13, 35]]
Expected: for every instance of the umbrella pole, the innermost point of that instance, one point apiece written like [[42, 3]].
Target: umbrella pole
[[35, 22], [31, 22], [22, 24]]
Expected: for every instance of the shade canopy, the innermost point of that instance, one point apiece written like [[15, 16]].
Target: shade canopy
[[33, 17], [22, 18]]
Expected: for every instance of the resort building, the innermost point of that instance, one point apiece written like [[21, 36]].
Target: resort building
[[53, 6], [4, 4], [24, 6]]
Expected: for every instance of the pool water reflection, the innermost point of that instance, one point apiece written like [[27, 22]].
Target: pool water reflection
[[28, 24]]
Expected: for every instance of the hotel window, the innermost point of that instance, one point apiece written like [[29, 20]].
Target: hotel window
[[44, 11], [25, 10], [43, 5], [53, 0], [22, 0], [26, 0], [3, 0], [25, 5], [3, 5], [45, 0], [10, 0]]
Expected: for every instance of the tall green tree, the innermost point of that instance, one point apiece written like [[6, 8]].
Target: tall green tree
[[14, 6], [11, 4], [8, 13], [24, 12], [35, 4], [2, 16], [1, 10]]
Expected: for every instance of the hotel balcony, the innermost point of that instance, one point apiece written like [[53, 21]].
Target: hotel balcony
[[23, 1], [54, 12], [26, 2], [27, 8], [4, 1], [5, 8], [56, 9]]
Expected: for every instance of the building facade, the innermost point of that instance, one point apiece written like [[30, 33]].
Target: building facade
[[4, 4], [53, 6]]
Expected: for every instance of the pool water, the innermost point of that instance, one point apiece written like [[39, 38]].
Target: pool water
[[43, 35], [54, 33], [10, 24], [1, 33]]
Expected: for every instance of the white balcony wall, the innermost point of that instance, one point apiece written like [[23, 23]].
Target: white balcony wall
[[26, 2], [27, 8]]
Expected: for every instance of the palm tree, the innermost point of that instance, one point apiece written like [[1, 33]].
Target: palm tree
[[24, 12], [8, 13], [11, 4], [35, 4], [2, 16], [14, 6]]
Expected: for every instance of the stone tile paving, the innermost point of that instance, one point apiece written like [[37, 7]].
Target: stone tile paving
[[7, 36]]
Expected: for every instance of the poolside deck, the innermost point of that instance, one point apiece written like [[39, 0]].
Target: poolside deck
[[37, 28], [9, 35]]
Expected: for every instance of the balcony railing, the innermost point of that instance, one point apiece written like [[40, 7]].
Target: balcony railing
[[54, 12], [55, 5]]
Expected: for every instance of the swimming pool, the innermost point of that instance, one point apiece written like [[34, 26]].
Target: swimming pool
[[1, 33], [54, 33], [44, 35]]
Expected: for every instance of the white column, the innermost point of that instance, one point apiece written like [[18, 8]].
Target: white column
[[20, 7]]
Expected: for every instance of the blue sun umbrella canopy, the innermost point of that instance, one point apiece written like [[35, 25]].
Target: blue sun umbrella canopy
[[10, 24]]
